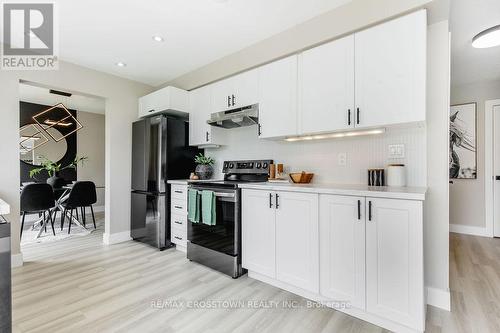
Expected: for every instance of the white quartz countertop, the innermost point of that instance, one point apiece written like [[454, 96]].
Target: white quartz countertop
[[4, 208], [178, 181], [406, 193]]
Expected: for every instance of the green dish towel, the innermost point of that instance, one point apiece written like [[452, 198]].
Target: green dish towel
[[193, 206], [208, 207]]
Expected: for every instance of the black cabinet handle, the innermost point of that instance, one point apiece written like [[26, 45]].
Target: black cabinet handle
[[207, 136], [152, 110], [260, 129], [179, 238], [369, 210], [178, 207], [270, 200], [349, 117], [359, 209], [228, 101], [233, 98], [497, 177], [277, 201], [178, 191], [177, 222], [357, 116]]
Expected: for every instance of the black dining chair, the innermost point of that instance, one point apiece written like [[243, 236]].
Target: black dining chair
[[83, 194], [37, 199]]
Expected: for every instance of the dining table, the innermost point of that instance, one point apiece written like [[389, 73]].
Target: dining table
[[62, 194]]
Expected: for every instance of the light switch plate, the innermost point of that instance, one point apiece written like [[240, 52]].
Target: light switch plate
[[397, 151], [342, 159]]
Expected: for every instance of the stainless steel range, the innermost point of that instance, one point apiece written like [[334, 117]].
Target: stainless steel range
[[219, 246]]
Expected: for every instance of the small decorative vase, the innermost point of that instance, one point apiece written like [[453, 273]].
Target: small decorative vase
[[56, 181], [204, 171]]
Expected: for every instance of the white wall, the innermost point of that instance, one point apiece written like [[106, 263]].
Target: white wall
[[436, 227], [90, 143], [467, 201], [321, 156], [121, 109]]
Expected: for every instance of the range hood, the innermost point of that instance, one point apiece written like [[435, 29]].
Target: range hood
[[240, 117]]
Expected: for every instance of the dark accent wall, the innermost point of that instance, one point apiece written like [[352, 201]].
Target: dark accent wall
[[27, 111]]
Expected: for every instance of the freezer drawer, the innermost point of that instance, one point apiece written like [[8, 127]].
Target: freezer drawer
[[149, 220]]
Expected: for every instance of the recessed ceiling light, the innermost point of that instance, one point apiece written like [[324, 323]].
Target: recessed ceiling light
[[121, 64], [158, 38], [487, 38]]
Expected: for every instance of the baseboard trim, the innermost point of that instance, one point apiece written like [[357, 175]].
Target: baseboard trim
[[98, 209], [469, 230], [118, 237], [16, 260], [439, 298]]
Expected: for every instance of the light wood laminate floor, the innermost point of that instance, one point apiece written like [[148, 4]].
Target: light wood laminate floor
[[81, 285]]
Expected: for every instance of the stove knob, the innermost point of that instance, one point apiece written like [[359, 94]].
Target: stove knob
[[225, 165], [231, 165], [250, 165], [265, 165], [259, 165]]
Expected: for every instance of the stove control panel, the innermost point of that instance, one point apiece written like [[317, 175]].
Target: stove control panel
[[247, 167]]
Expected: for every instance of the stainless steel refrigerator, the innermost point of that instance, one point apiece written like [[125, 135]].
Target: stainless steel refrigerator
[[160, 151]]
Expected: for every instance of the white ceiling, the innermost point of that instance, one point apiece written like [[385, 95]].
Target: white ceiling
[[97, 34], [468, 18], [39, 95]]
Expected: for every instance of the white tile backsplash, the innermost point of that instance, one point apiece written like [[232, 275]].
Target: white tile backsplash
[[321, 156]]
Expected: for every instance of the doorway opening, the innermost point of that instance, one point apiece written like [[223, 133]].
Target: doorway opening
[[62, 153]]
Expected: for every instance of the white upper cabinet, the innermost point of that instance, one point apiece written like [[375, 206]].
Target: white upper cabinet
[[258, 232], [246, 89], [200, 133], [278, 98], [394, 261], [170, 100], [235, 92], [342, 248], [297, 251], [326, 81], [390, 67]]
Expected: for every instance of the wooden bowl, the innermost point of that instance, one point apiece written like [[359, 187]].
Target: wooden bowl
[[301, 177]]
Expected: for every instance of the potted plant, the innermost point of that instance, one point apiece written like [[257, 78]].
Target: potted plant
[[53, 169], [204, 166]]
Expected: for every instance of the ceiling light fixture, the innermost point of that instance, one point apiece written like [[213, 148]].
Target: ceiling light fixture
[[487, 38], [336, 135], [158, 38], [56, 123], [121, 64]]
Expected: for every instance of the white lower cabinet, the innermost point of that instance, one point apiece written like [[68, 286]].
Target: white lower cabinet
[[361, 250], [342, 248], [280, 236], [178, 216], [394, 261], [297, 252], [258, 228]]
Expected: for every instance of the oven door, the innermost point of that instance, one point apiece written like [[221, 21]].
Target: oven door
[[224, 236]]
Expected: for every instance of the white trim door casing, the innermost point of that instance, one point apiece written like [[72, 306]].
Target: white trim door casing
[[492, 217]]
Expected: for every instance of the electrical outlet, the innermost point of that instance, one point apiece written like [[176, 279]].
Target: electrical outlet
[[342, 159], [397, 151]]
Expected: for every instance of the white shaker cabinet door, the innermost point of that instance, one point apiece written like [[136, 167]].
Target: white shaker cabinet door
[[258, 232], [390, 81], [297, 244], [278, 98], [326, 85], [394, 261], [342, 248]]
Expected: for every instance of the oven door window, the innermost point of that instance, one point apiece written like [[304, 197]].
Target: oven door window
[[221, 236]]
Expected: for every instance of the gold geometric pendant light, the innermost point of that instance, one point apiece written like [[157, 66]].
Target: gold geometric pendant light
[[57, 115]]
